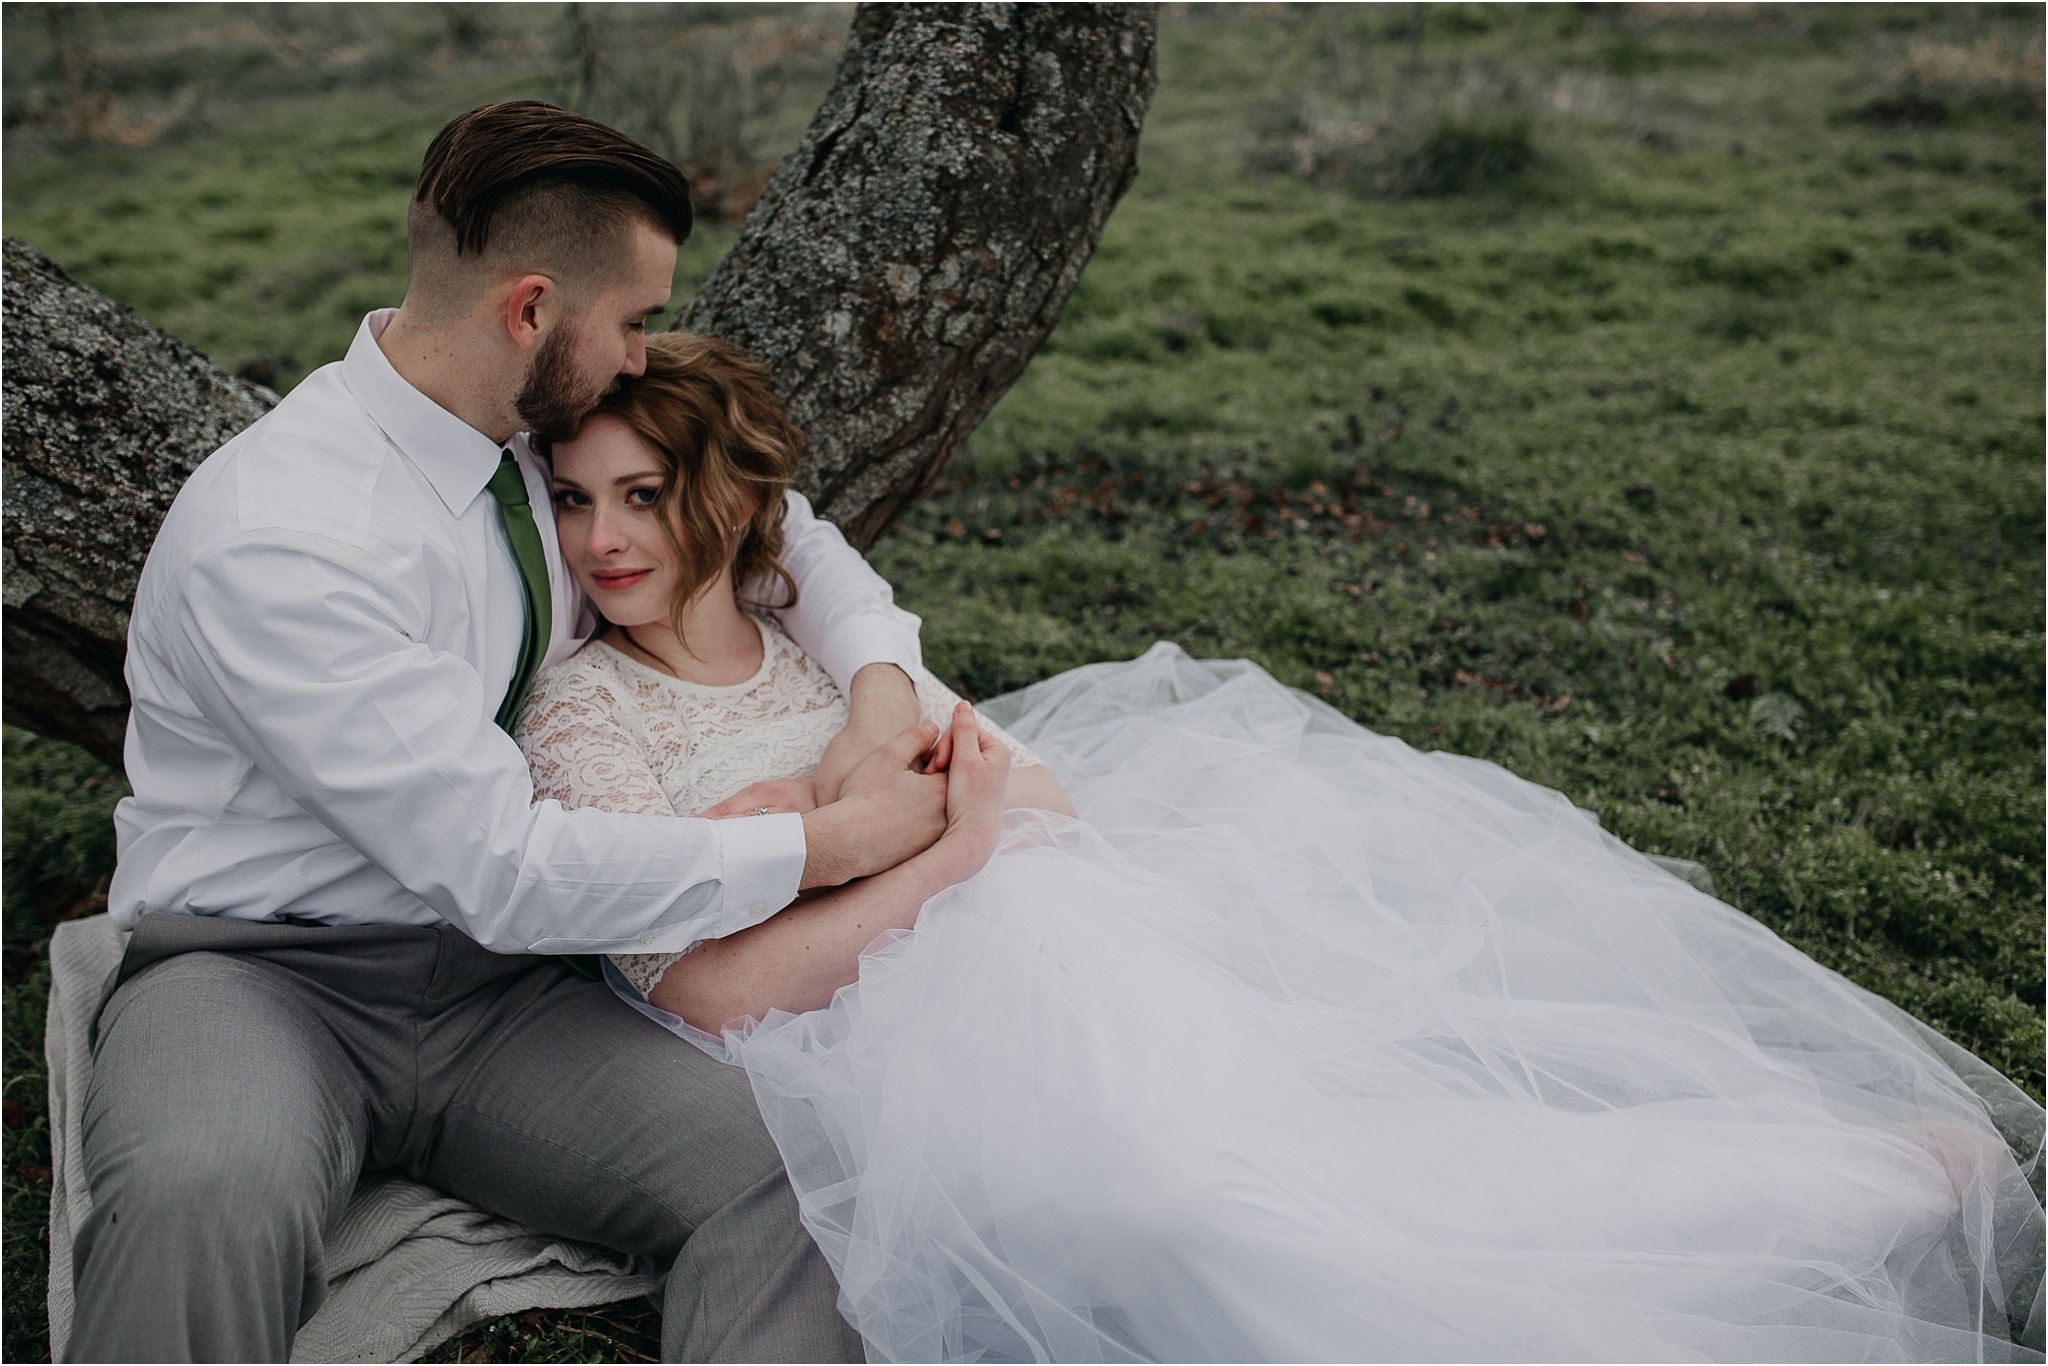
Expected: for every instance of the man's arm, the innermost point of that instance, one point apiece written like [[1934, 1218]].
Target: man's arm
[[845, 615], [846, 618], [305, 652]]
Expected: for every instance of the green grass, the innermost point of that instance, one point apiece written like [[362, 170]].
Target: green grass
[[1597, 394]]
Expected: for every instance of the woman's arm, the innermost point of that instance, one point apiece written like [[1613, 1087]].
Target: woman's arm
[[1035, 787], [797, 959]]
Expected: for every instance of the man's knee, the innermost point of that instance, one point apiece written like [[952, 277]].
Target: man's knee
[[241, 1184], [222, 1130]]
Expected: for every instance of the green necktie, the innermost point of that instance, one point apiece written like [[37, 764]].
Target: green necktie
[[508, 486]]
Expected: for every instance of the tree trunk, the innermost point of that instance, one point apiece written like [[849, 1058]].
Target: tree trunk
[[917, 246], [903, 266], [102, 417]]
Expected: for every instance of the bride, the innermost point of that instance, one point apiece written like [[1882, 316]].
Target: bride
[[1293, 1044]]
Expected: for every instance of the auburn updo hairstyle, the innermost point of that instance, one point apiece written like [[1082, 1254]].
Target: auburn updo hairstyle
[[728, 455]]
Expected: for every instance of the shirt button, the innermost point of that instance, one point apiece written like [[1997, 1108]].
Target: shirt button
[[645, 940], [758, 907]]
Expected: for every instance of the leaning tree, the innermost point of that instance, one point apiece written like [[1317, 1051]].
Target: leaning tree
[[900, 270]]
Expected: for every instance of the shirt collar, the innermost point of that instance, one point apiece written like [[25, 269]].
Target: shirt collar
[[457, 459]]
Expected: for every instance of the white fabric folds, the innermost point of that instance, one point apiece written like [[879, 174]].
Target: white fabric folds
[[1306, 1046]]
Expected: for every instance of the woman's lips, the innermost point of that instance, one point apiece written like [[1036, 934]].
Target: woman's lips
[[617, 580]]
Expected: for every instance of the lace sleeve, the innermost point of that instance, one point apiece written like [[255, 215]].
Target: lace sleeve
[[581, 747], [936, 701]]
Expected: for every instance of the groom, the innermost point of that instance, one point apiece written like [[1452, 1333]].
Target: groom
[[342, 892]]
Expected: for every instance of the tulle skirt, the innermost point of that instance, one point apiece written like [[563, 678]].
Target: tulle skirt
[[1302, 1045]]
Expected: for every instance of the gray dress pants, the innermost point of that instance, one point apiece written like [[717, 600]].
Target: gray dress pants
[[246, 1074]]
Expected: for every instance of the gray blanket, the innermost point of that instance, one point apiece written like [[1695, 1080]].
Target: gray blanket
[[409, 1267]]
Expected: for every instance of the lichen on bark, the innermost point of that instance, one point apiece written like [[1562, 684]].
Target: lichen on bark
[[918, 245], [102, 418]]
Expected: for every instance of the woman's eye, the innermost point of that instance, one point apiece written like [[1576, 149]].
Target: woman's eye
[[640, 498], [570, 498]]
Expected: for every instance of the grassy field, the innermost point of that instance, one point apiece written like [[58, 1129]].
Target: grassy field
[[1647, 398]]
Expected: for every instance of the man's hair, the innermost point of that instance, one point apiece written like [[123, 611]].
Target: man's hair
[[728, 454], [527, 186]]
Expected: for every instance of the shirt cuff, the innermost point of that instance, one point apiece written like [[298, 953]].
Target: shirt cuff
[[870, 638], [761, 860]]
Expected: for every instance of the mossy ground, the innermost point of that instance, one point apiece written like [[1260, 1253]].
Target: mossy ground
[[1646, 399]]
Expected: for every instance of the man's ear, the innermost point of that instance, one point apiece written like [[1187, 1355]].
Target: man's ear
[[533, 305]]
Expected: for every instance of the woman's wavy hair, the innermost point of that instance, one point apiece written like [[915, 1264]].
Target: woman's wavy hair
[[728, 455]]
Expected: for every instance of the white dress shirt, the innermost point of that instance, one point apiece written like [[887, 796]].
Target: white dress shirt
[[323, 632]]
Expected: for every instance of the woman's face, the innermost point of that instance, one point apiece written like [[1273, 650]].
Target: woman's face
[[605, 485]]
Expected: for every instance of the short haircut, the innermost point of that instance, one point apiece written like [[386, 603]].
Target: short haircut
[[728, 453], [528, 186]]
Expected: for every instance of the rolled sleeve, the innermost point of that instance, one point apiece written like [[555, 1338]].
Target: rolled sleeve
[[845, 615], [868, 639]]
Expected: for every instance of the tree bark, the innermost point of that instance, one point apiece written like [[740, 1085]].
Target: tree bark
[[918, 245], [102, 418], [902, 267]]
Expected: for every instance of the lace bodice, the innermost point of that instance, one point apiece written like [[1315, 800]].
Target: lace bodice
[[603, 730]]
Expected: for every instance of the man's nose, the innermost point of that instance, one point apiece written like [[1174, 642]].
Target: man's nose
[[636, 357]]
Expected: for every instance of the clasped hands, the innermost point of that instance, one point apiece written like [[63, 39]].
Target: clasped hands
[[890, 785]]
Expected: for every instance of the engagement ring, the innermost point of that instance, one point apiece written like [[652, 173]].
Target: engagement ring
[[760, 810]]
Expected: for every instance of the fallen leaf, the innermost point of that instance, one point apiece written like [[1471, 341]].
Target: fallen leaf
[[1354, 590], [992, 535], [955, 527], [1560, 704], [1534, 531], [1578, 610], [1463, 679], [1324, 682], [11, 1113], [1633, 557], [35, 1176]]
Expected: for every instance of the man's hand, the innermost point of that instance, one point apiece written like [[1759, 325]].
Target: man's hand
[[776, 795], [880, 705], [888, 811]]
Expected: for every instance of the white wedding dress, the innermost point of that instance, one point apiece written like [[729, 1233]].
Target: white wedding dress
[[1302, 1045]]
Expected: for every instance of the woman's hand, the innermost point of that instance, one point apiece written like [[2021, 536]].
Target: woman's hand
[[777, 795], [977, 776]]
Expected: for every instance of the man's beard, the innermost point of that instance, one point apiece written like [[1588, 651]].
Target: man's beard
[[555, 398]]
